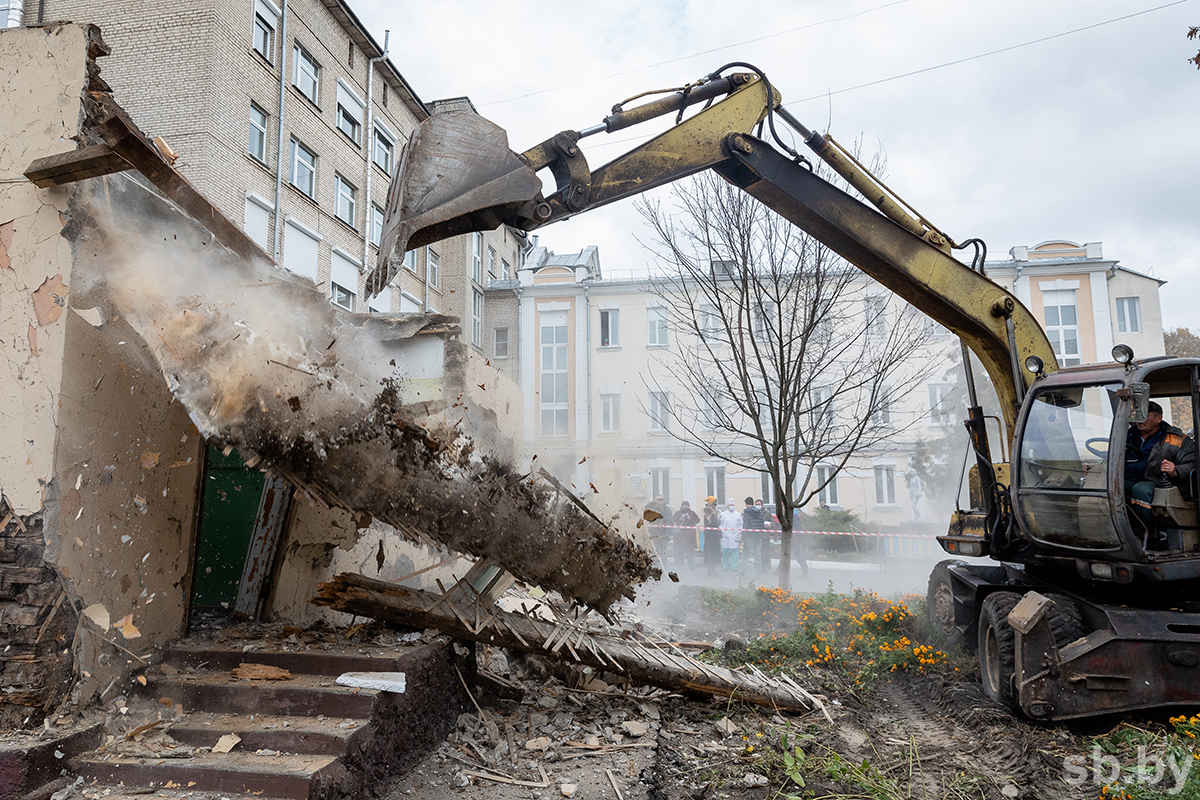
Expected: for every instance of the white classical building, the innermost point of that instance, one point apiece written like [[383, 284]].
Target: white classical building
[[594, 361]]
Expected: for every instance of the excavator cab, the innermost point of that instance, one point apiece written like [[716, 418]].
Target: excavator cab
[[1069, 490]]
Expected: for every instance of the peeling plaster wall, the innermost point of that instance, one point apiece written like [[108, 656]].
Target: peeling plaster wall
[[128, 467], [43, 72], [94, 439]]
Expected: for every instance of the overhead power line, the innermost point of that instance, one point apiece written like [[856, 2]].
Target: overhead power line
[[985, 55]]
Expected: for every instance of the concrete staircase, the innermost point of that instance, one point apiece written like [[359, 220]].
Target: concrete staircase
[[304, 739]]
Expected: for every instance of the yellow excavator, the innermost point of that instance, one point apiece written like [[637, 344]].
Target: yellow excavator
[[1082, 607]]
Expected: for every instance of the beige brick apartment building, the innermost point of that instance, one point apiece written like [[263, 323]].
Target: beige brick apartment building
[[290, 118]]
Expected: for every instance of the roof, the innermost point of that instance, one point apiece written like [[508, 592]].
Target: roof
[[359, 34]]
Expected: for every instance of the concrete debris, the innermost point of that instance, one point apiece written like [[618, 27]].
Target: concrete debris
[[726, 726], [383, 681], [226, 743]]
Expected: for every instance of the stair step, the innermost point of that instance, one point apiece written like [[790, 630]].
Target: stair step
[[282, 776], [329, 736], [302, 695], [101, 792], [200, 655]]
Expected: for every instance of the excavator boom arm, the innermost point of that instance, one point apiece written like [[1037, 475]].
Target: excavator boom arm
[[457, 175]]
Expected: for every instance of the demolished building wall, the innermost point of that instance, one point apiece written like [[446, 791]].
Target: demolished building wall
[[102, 460]]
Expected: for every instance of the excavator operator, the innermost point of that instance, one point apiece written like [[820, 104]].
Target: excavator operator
[[1156, 454]]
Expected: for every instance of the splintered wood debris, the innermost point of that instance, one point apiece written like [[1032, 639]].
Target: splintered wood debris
[[458, 614]]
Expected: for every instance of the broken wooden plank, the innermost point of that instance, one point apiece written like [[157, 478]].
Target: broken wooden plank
[[367, 597], [86, 162]]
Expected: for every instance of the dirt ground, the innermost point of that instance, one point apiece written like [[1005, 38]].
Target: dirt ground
[[929, 735]]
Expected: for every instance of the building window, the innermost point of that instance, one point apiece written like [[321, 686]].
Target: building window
[[347, 124], [306, 73], [304, 169], [477, 257], [341, 296], [885, 486], [610, 412], [610, 328], [300, 250], [505, 270], [660, 412], [881, 417], [1129, 315], [876, 310], [1062, 325], [385, 147], [822, 407], [264, 37], [344, 197], [555, 410], [711, 409], [766, 487], [477, 318], [433, 267], [714, 483], [828, 495], [710, 324], [376, 224], [258, 133], [660, 485], [491, 261], [500, 342], [940, 412], [656, 321], [763, 319], [410, 261]]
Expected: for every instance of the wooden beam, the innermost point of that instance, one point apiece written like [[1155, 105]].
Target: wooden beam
[[642, 663], [86, 162]]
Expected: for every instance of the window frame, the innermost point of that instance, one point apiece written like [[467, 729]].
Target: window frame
[[496, 339], [559, 410], [491, 262], [340, 184], [383, 141], [828, 494], [659, 411], [1127, 322], [610, 412], [885, 490], [477, 318], [821, 398], [333, 296], [410, 261], [505, 269], [433, 267], [940, 413], [875, 311], [343, 115], [477, 257], [610, 319], [660, 485], [268, 51], [656, 327], [298, 147], [300, 57], [714, 483], [376, 231], [262, 132]]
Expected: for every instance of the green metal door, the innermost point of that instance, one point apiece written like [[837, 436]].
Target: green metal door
[[228, 510]]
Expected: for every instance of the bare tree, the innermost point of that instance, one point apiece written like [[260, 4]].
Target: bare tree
[[787, 359]]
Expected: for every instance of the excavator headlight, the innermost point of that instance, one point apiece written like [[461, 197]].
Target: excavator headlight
[[1034, 365], [1122, 354]]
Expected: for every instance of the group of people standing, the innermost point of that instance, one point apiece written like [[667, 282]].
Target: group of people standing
[[728, 538]]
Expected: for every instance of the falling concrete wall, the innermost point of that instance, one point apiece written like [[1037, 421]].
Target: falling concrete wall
[[97, 451]]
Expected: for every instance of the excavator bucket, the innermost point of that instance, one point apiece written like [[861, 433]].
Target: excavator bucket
[[456, 175]]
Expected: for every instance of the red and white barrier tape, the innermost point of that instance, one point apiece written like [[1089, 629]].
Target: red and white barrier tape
[[813, 533]]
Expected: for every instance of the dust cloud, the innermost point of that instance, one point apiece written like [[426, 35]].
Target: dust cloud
[[349, 407]]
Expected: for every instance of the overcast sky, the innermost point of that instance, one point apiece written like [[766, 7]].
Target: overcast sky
[[1090, 136]]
